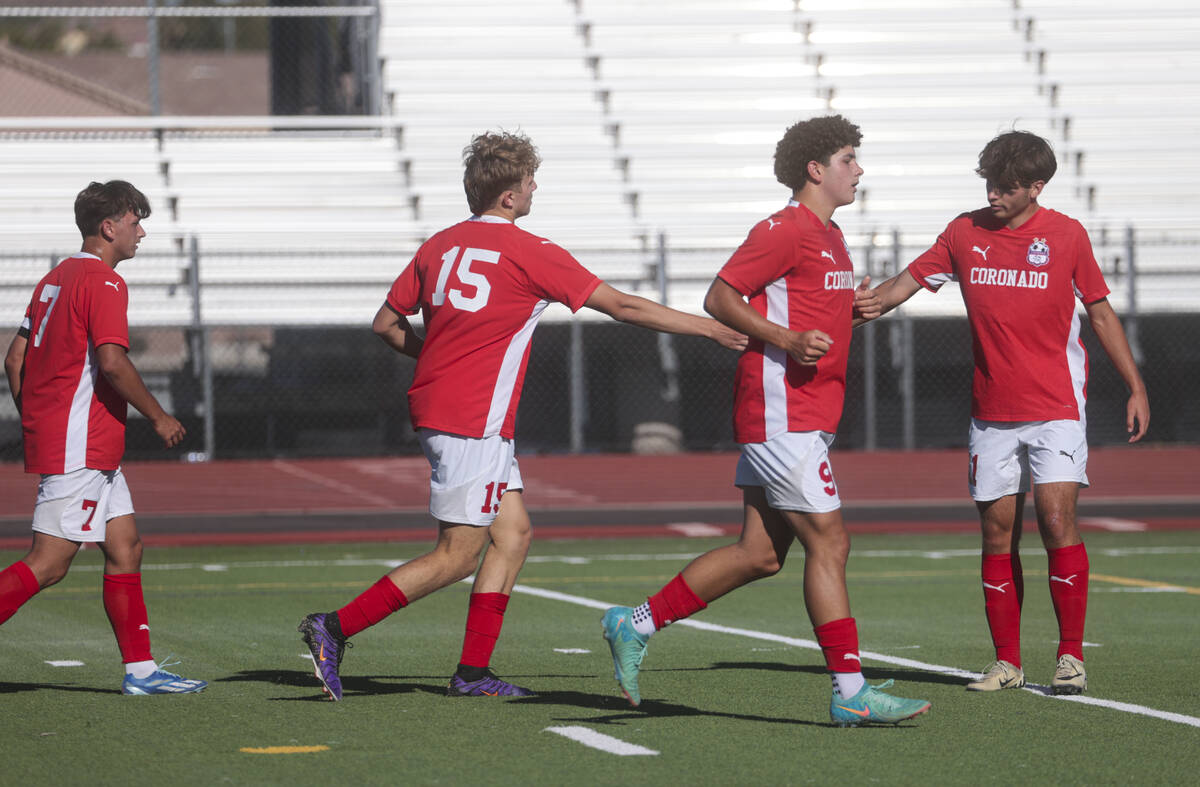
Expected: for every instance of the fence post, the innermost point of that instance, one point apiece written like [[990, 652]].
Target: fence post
[[578, 390], [869, 413], [1131, 319], [374, 96], [907, 389], [201, 365], [666, 346]]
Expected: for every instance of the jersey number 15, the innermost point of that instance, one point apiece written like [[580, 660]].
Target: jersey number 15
[[466, 276]]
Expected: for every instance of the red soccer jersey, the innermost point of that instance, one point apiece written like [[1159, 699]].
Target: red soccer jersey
[[481, 286], [70, 414], [1020, 288], [797, 273]]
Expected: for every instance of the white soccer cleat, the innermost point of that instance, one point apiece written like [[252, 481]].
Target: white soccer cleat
[[998, 675], [1069, 676]]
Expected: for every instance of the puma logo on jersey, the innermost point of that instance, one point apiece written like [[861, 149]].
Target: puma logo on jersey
[[828, 254], [113, 284], [998, 588], [981, 252], [1066, 581], [1070, 456], [771, 224]]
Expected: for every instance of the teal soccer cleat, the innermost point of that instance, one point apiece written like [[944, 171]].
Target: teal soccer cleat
[[628, 649], [872, 706]]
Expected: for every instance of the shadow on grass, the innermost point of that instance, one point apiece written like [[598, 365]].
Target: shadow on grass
[[351, 684], [13, 688]]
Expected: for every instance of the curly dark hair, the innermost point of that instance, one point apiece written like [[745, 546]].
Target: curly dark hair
[[111, 200], [495, 163], [1016, 158], [817, 140]]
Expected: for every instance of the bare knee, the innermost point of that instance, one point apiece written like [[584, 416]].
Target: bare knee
[[762, 562], [47, 572]]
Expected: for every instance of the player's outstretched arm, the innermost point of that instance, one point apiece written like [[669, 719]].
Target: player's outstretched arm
[[727, 305], [623, 307], [1112, 338], [115, 364], [395, 330], [13, 363], [890, 294]]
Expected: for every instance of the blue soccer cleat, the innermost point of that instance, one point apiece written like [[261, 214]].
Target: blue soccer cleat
[[628, 649], [872, 706], [162, 682], [323, 634]]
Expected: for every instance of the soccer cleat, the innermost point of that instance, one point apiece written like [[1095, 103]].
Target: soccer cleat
[[628, 649], [872, 706], [1069, 676], [323, 635], [162, 682], [487, 686], [998, 675]]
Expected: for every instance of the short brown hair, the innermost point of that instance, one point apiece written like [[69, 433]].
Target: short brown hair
[[817, 140], [494, 164], [1016, 158], [111, 200]]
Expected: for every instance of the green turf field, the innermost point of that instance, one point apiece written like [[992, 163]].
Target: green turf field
[[743, 704]]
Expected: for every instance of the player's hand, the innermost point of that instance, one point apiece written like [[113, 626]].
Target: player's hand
[[1137, 416], [169, 430], [727, 337], [867, 304], [809, 347]]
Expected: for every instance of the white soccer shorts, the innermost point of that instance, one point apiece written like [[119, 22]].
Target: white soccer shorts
[[78, 505], [1004, 457], [468, 476], [794, 471]]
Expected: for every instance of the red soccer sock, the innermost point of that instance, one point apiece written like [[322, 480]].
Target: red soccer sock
[[1069, 592], [484, 619], [372, 605], [839, 643], [1002, 602], [675, 601], [126, 610], [17, 585]]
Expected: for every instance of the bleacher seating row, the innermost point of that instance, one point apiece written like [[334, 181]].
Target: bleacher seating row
[[652, 118]]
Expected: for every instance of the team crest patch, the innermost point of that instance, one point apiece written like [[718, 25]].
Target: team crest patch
[[1039, 252]]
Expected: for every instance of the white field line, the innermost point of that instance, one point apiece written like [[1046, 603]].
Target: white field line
[[598, 740], [809, 644]]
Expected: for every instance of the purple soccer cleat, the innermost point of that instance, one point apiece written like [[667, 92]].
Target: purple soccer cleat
[[487, 686], [323, 634]]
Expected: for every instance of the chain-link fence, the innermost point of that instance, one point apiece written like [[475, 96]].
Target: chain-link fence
[[182, 57], [300, 386]]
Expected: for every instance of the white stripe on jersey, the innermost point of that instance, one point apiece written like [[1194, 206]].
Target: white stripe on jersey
[[775, 364], [938, 279], [1077, 366], [75, 450], [509, 368]]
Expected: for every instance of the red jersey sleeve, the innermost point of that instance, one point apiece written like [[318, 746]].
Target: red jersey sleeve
[[556, 275], [405, 294], [765, 255], [106, 303], [935, 266]]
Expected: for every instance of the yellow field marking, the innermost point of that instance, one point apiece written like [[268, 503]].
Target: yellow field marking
[[283, 749], [1143, 583]]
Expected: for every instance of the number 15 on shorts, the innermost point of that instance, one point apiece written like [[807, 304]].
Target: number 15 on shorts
[[491, 498]]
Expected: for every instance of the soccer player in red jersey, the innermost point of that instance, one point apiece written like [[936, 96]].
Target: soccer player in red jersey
[[481, 285], [790, 288], [71, 380], [1020, 267]]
